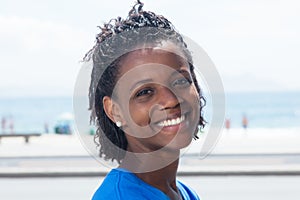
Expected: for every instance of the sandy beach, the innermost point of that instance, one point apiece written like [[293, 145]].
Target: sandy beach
[[252, 152], [233, 141]]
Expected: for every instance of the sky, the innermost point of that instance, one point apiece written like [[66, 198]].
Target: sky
[[254, 44]]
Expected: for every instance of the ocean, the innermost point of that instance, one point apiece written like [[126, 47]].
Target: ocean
[[263, 110]]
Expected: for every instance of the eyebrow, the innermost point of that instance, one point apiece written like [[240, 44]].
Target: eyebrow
[[140, 83], [180, 71]]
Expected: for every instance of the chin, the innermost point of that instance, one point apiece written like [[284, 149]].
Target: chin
[[179, 142]]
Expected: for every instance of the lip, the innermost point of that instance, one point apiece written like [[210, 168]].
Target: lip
[[170, 116], [173, 127], [171, 121]]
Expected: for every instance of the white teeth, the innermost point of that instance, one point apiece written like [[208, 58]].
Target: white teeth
[[172, 122]]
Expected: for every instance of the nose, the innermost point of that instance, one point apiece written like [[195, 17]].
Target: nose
[[168, 99]]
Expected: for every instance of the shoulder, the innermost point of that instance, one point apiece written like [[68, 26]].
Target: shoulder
[[121, 184], [112, 186], [187, 192]]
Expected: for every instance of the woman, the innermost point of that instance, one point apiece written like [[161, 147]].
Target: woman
[[146, 104]]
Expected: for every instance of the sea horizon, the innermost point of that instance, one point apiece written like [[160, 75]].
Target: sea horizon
[[269, 109]]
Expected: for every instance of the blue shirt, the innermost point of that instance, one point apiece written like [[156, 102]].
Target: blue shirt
[[121, 184]]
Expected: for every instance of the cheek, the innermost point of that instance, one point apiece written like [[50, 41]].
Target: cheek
[[194, 100], [190, 94], [138, 114], [194, 93]]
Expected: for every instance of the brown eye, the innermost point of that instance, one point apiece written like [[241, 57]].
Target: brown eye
[[144, 92], [182, 82]]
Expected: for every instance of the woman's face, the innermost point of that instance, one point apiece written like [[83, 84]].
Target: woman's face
[[157, 100]]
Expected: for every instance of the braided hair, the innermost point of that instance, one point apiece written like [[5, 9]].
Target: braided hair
[[116, 39]]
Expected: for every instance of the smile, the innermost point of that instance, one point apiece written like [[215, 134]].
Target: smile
[[172, 122]]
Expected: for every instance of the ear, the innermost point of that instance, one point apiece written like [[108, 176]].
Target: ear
[[112, 110]]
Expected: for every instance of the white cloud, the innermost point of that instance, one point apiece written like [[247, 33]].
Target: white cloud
[[275, 19], [36, 35], [40, 55], [40, 49], [257, 38]]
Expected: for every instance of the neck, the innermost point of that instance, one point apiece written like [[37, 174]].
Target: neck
[[139, 161], [162, 176]]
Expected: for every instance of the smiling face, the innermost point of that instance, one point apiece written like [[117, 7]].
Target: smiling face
[[156, 101]]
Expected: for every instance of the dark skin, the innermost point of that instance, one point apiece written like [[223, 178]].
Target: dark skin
[[164, 179], [156, 96]]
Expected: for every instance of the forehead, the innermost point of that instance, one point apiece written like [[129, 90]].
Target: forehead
[[152, 56]]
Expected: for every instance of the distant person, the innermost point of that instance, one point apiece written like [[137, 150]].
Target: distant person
[[227, 123], [11, 126], [46, 127], [3, 124], [146, 105], [245, 122]]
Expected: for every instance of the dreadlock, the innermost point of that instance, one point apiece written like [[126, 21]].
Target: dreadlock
[[116, 39]]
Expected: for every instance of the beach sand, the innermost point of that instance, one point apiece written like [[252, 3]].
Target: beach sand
[[236, 152], [254, 141], [233, 141]]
